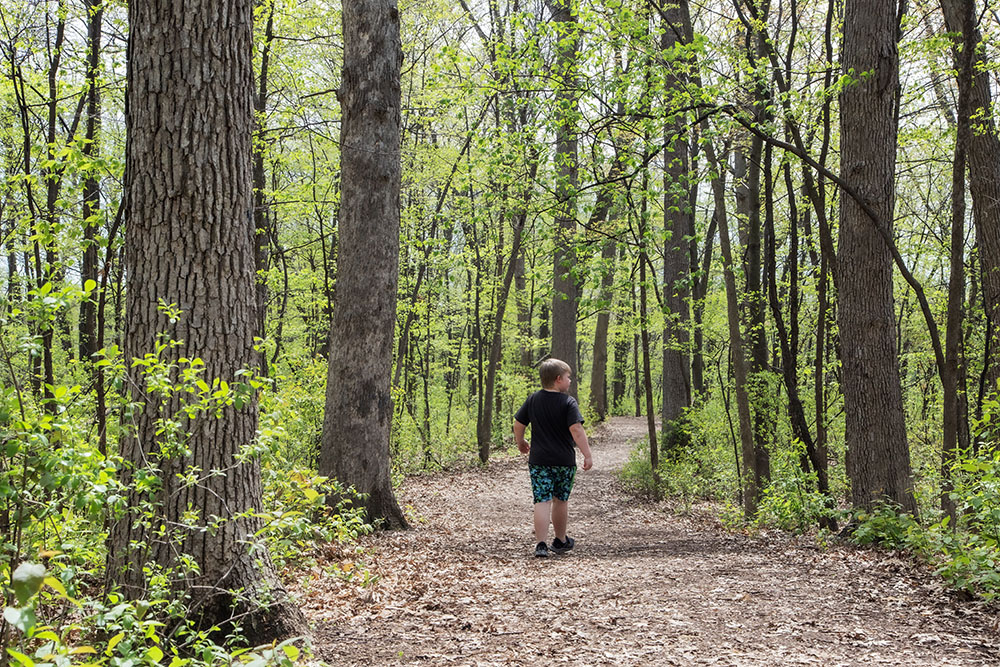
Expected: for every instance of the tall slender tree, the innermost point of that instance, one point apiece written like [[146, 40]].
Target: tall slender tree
[[679, 225], [564, 293], [984, 180], [358, 416], [91, 184], [878, 457]]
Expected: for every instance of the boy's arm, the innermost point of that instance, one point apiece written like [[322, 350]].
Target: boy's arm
[[522, 444], [580, 438]]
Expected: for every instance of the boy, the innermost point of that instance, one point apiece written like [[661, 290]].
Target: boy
[[556, 424]]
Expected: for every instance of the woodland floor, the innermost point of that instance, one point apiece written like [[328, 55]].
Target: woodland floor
[[642, 587]]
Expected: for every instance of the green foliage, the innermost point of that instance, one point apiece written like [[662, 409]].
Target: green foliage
[[302, 511], [676, 437], [967, 553], [886, 526], [792, 500], [123, 633], [681, 478]]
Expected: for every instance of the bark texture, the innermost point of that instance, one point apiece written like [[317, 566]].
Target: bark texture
[[679, 224], [878, 458], [984, 181], [358, 417], [564, 292], [189, 243]]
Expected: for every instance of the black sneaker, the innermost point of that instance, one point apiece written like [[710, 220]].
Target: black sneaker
[[541, 551], [561, 547]]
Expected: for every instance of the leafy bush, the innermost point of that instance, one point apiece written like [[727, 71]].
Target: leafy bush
[[792, 500], [967, 554], [125, 634], [886, 526], [636, 476], [682, 478], [297, 513]]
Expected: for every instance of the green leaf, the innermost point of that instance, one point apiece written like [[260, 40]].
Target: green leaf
[[22, 618], [154, 654], [59, 588], [27, 580], [21, 658], [113, 642]]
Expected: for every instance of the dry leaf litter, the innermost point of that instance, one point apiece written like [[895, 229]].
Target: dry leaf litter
[[642, 586]]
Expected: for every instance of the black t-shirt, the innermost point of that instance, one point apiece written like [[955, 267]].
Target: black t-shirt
[[550, 414]]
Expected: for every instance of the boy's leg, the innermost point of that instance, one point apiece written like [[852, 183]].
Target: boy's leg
[[543, 511], [560, 518]]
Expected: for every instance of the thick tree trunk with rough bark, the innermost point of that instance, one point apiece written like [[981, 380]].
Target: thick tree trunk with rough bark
[[878, 457], [358, 417], [189, 244], [564, 293], [679, 225]]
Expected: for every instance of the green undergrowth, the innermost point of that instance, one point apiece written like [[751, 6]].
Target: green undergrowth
[[964, 551], [60, 490]]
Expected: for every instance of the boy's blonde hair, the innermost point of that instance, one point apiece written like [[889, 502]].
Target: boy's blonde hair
[[551, 369]]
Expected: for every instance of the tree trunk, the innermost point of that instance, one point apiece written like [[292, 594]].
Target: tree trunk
[[984, 184], [599, 371], [788, 336], [754, 477], [484, 427], [261, 212], [621, 336], [358, 417], [698, 382], [953, 334], [678, 222], [91, 184], [523, 312], [188, 241], [878, 458], [647, 375], [564, 292]]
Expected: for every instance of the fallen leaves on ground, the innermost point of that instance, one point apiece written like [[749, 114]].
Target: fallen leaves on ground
[[642, 587]]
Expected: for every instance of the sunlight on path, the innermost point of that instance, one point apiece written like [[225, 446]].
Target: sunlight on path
[[641, 588]]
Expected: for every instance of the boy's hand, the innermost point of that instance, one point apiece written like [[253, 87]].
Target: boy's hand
[[588, 463], [522, 443]]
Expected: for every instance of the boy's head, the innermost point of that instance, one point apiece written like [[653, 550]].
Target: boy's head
[[551, 370]]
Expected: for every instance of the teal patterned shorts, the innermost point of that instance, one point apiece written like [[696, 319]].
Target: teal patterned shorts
[[548, 482]]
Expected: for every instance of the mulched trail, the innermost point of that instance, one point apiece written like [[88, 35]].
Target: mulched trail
[[642, 587]]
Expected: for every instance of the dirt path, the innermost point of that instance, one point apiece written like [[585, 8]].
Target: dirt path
[[642, 588]]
